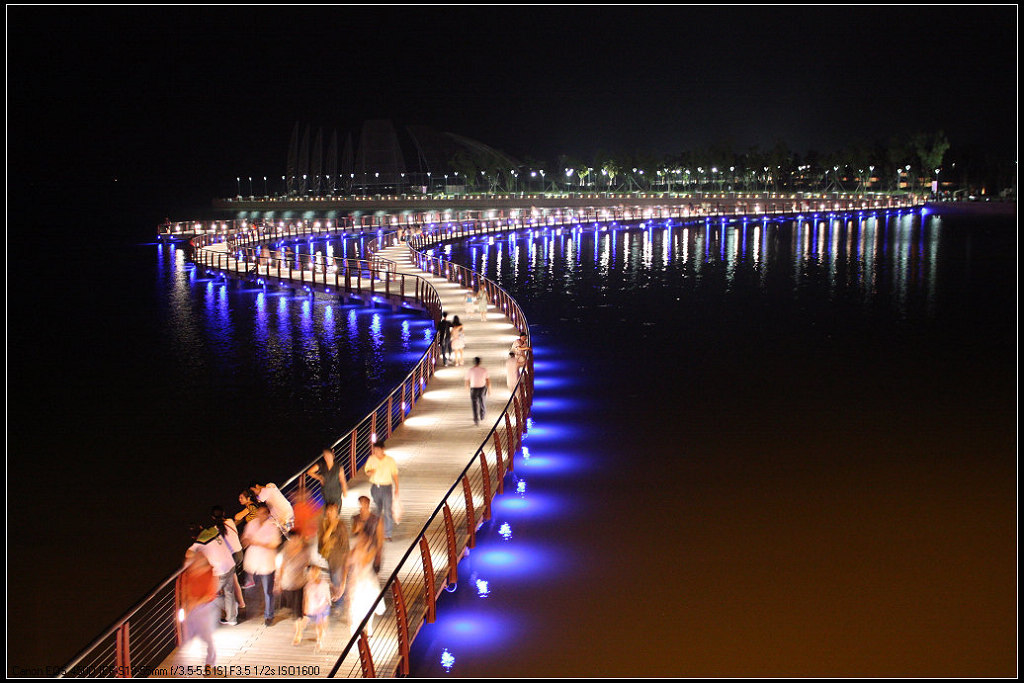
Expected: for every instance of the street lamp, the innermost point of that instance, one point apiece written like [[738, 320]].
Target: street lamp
[[238, 184]]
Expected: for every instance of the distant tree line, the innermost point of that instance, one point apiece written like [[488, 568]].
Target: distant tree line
[[899, 164]]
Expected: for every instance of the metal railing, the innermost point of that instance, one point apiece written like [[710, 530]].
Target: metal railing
[[244, 232], [345, 274], [431, 561], [150, 630], [371, 202]]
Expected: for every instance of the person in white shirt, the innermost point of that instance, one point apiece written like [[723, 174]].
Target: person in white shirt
[[212, 545], [261, 538], [478, 381], [520, 347], [511, 371], [280, 509]]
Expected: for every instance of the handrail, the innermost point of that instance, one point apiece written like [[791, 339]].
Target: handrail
[[355, 202], [702, 204], [76, 668], [439, 510], [414, 595]]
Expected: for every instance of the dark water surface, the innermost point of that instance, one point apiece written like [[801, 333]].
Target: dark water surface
[[781, 450], [140, 393]]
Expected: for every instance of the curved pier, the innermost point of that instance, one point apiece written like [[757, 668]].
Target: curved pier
[[449, 468]]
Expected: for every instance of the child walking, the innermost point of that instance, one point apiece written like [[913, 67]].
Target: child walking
[[316, 606]]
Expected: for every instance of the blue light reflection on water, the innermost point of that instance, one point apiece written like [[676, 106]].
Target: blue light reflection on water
[[295, 347], [510, 562]]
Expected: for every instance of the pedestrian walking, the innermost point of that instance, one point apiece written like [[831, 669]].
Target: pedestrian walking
[[366, 523], [316, 606], [330, 472], [199, 602], [481, 304], [261, 539], [229, 530], [382, 471], [478, 381], [307, 514], [291, 575], [365, 584], [458, 340], [332, 540], [212, 545], [444, 337]]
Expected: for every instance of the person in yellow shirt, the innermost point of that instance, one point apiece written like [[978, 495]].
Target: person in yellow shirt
[[382, 471]]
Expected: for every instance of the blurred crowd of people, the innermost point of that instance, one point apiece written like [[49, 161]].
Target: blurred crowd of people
[[299, 555]]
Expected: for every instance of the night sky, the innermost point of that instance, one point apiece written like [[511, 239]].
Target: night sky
[[145, 112], [175, 102]]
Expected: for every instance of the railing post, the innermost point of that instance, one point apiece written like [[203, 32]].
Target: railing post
[[428, 581], [487, 487], [453, 560], [123, 652], [470, 513], [365, 657], [177, 610], [390, 412], [501, 464], [353, 462], [512, 447], [520, 423], [402, 618]]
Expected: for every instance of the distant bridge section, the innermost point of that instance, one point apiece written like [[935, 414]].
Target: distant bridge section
[[703, 203]]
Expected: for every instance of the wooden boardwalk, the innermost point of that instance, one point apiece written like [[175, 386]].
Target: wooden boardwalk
[[432, 447]]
